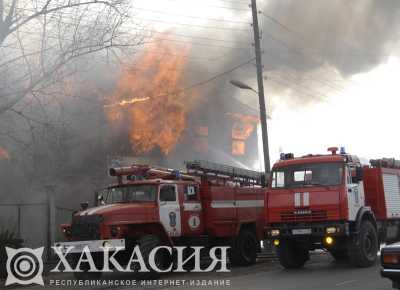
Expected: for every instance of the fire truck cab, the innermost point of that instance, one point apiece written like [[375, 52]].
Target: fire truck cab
[[321, 201], [208, 205]]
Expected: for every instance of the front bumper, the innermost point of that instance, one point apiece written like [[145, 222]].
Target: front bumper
[[392, 274], [312, 230], [93, 246]]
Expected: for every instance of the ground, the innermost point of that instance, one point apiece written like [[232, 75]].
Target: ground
[[321, 273]]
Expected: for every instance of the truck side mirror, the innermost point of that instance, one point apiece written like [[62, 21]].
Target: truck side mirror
[[358, 176], [84, 205], [100, 199]]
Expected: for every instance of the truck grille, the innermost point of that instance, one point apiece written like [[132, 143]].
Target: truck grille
[[303, 215], [86, 227]]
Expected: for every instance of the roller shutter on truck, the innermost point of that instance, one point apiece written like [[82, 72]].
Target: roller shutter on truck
[[382, 192], [391, 185]]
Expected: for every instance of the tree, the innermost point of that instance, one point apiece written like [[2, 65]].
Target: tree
[[45, 45], [39, 39]]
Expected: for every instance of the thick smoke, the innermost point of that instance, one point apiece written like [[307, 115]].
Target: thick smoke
[[351, 36], [312, 48]]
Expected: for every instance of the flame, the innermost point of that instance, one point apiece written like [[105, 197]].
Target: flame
[[158, 111], [242, 129], [238, 147], [4, 154], [243, 125]]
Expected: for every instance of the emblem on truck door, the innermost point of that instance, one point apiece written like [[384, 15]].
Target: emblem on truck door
[[194, 222], [172, 219]]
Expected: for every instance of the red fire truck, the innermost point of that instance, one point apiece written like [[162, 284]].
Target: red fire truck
[[335, 203], [210, 204]]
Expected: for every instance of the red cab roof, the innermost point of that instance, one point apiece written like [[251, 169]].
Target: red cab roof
[[310, 159]]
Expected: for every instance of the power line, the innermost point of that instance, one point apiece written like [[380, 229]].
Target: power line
[[276, 21], [194, 36], [213, 78], [194, 25], [196, 43], [191, 16], [218, 7]]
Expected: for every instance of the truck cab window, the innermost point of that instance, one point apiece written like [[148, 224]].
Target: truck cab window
[[131, 193], [302, 176], [168, 193], [305, 175], [278, 179]]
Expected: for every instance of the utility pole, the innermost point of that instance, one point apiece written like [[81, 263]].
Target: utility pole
[[260, 81]]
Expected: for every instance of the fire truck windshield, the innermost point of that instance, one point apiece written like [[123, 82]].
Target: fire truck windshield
[[131, 193], [306, 175]]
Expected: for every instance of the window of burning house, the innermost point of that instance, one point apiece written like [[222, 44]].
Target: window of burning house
[[242, 128]]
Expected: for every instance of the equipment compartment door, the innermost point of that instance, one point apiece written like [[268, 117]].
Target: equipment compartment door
[[170, 215], [192, 214]]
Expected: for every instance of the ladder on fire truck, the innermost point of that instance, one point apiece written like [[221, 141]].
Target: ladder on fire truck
[[214, 172], [206, 171], [385, 162]]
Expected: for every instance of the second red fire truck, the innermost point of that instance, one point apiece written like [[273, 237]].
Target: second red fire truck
[[335, 203]]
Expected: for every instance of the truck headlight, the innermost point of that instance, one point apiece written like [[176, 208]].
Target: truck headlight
[[107, 244], [115, 231], [329, 240], [275, 233], [67, 232], [331, 230]]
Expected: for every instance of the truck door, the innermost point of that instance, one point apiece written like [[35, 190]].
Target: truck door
[[192, 214], [355, 193], [170, 215]]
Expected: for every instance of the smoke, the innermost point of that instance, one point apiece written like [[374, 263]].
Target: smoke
[[311, 48], [351, 36]]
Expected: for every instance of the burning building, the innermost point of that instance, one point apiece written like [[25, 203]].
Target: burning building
[[154, 118]]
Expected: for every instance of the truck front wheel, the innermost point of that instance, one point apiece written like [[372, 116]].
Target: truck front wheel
[[146, 244], [290, 256], [244, 249], [363, 249]]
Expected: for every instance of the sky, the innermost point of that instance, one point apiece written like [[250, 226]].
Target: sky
[[361, 116]]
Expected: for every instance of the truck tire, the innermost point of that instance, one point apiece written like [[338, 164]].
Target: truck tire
[[290, 256], [244, 249], [146, 244], [363, 249]]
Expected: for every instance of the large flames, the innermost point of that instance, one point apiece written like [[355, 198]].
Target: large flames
[[150, 97]]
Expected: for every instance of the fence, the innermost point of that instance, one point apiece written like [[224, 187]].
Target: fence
[[37, 223]]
